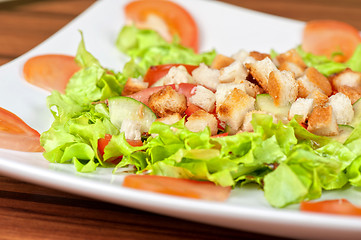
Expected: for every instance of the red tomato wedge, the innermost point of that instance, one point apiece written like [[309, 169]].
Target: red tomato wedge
[[178, 187], [325, 37], [50, 72], [166, 17], [337, 206], [155, 73], [15, 134]]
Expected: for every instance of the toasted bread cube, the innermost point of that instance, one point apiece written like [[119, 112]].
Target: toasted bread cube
[[260, 71], [131, 129], [250, 88], [247, 122], [224, 89], [302, 107], [234, 72], [346, 78], [203, 98], [200, 119], [167, 102], [342, 108], [134, 85], [177, 75], [234, 108], [282, 87], [319, 98], [291, 56], [259, 56], [221, 61], [311, 80], [353, 93], [241, 55], [322, 122], [206, 76], [292, 67], [170, 119]]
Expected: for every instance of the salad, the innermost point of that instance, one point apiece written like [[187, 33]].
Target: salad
[[218, 121]]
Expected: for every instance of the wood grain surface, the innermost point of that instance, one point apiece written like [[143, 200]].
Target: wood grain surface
[[28, 211]]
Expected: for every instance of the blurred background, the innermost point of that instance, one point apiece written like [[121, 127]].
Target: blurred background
[[33, 21]]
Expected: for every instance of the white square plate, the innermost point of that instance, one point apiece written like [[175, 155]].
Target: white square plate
[[223, 27]]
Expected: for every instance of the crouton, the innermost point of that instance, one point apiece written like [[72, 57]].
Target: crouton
[[221, 61], [292, 67], [170, 119], [319, 98], [322, 122], [234, 108], [341, 107], [353, 93], [260, 71], [134, 85], [206, 76], [200, 119], [203, 98], [346, 78], [302, 107], [259, 56], [250, 88], [241, 55], [131, 129], [311, 80], [291, 56], [234, 72], [247, 122], [177, 75], [282, 87], [167, 102], [224, 89]]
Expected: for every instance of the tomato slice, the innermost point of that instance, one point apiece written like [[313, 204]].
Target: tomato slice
[[15, 134], [337, 206], [143, 95], [187, 89], [325, 37], [225, 134], [155, 73], [103, 142], [178, 187], [191, 109], [183, 88], [51, 71], [174, 18]]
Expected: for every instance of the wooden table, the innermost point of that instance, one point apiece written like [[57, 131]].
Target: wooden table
[[28, 211]]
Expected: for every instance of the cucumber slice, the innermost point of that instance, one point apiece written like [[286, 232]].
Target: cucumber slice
[[264, 102], [344, 133], [357, 116], [121, 108]]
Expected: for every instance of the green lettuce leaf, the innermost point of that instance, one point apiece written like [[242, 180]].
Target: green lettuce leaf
[[79, 118], [355, 61], [147, 48], [328, 67]]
